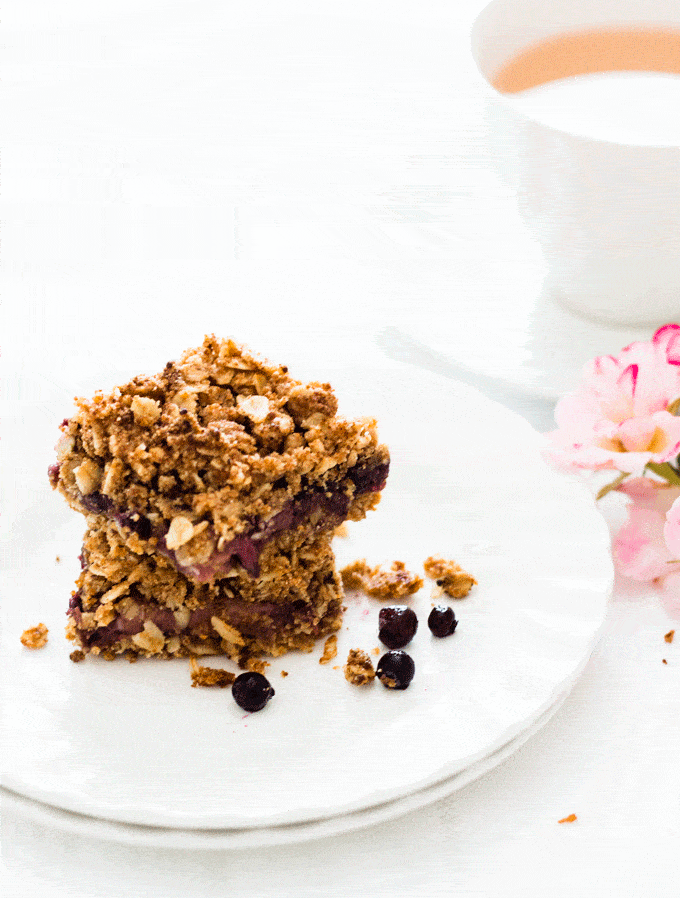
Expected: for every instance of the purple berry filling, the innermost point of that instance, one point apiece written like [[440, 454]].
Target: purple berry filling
[[253, 619], [53, 474]]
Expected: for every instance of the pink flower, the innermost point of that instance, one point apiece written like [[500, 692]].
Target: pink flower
[[639, 547], [619, 418]]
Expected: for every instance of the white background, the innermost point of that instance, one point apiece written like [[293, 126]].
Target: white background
[[314, 171]]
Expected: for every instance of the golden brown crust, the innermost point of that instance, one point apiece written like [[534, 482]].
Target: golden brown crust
[[380, 583], [450, 576], [359, 668]]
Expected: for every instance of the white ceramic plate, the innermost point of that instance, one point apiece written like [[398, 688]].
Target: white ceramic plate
[[253, 837], [133, 743]]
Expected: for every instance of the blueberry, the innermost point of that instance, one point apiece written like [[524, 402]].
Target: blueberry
[[442, 621], [395, 670], [251, 691], [397, 626]]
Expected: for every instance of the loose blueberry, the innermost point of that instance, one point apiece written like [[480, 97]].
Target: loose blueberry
[[397, 626], [442, 621], [252, 691], [395, 670]]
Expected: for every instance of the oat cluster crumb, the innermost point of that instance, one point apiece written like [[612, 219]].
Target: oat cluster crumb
[[449, 576], [35, 637], [77, 655], [330, 650], [359, 668], [379, 582], [669, 636], [570, 819], [210, 676]]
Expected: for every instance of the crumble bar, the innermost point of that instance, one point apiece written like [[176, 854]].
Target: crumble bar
[[216, 457], [449, 576], [380, 583], [140, 605]]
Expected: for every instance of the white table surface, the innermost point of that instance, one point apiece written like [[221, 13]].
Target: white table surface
[[317, 173]]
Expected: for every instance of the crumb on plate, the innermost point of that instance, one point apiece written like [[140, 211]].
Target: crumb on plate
[[210, 676], [35, 637], [449, 576], [669, 636], [77, 656], [330, 650], [358, 669], [379, 582], [570, 819]]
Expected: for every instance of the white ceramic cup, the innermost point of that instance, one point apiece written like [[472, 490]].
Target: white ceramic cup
[[607, 214]]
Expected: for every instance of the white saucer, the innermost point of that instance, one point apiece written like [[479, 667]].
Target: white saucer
[[515, 334]]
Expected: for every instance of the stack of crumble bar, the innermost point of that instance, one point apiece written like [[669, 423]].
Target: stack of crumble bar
[[211, 492]]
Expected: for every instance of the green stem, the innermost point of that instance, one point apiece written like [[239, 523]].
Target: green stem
[[674, 407], [615, 484], [666, 471]]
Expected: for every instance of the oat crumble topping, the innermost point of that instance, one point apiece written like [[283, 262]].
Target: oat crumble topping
[[217, 440]]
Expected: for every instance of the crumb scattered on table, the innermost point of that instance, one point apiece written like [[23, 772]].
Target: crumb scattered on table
[[669, 636], [210, 676], [376, 650], [330, 650], [449, 576], [35, 637], [284, 673], [77, 656], [570, 819], [663, 661], [380, 583], [358, 669], [58, 559]]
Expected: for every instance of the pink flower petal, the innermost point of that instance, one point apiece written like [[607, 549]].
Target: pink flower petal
[[628, 379], [639, 549], [671, 530]]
